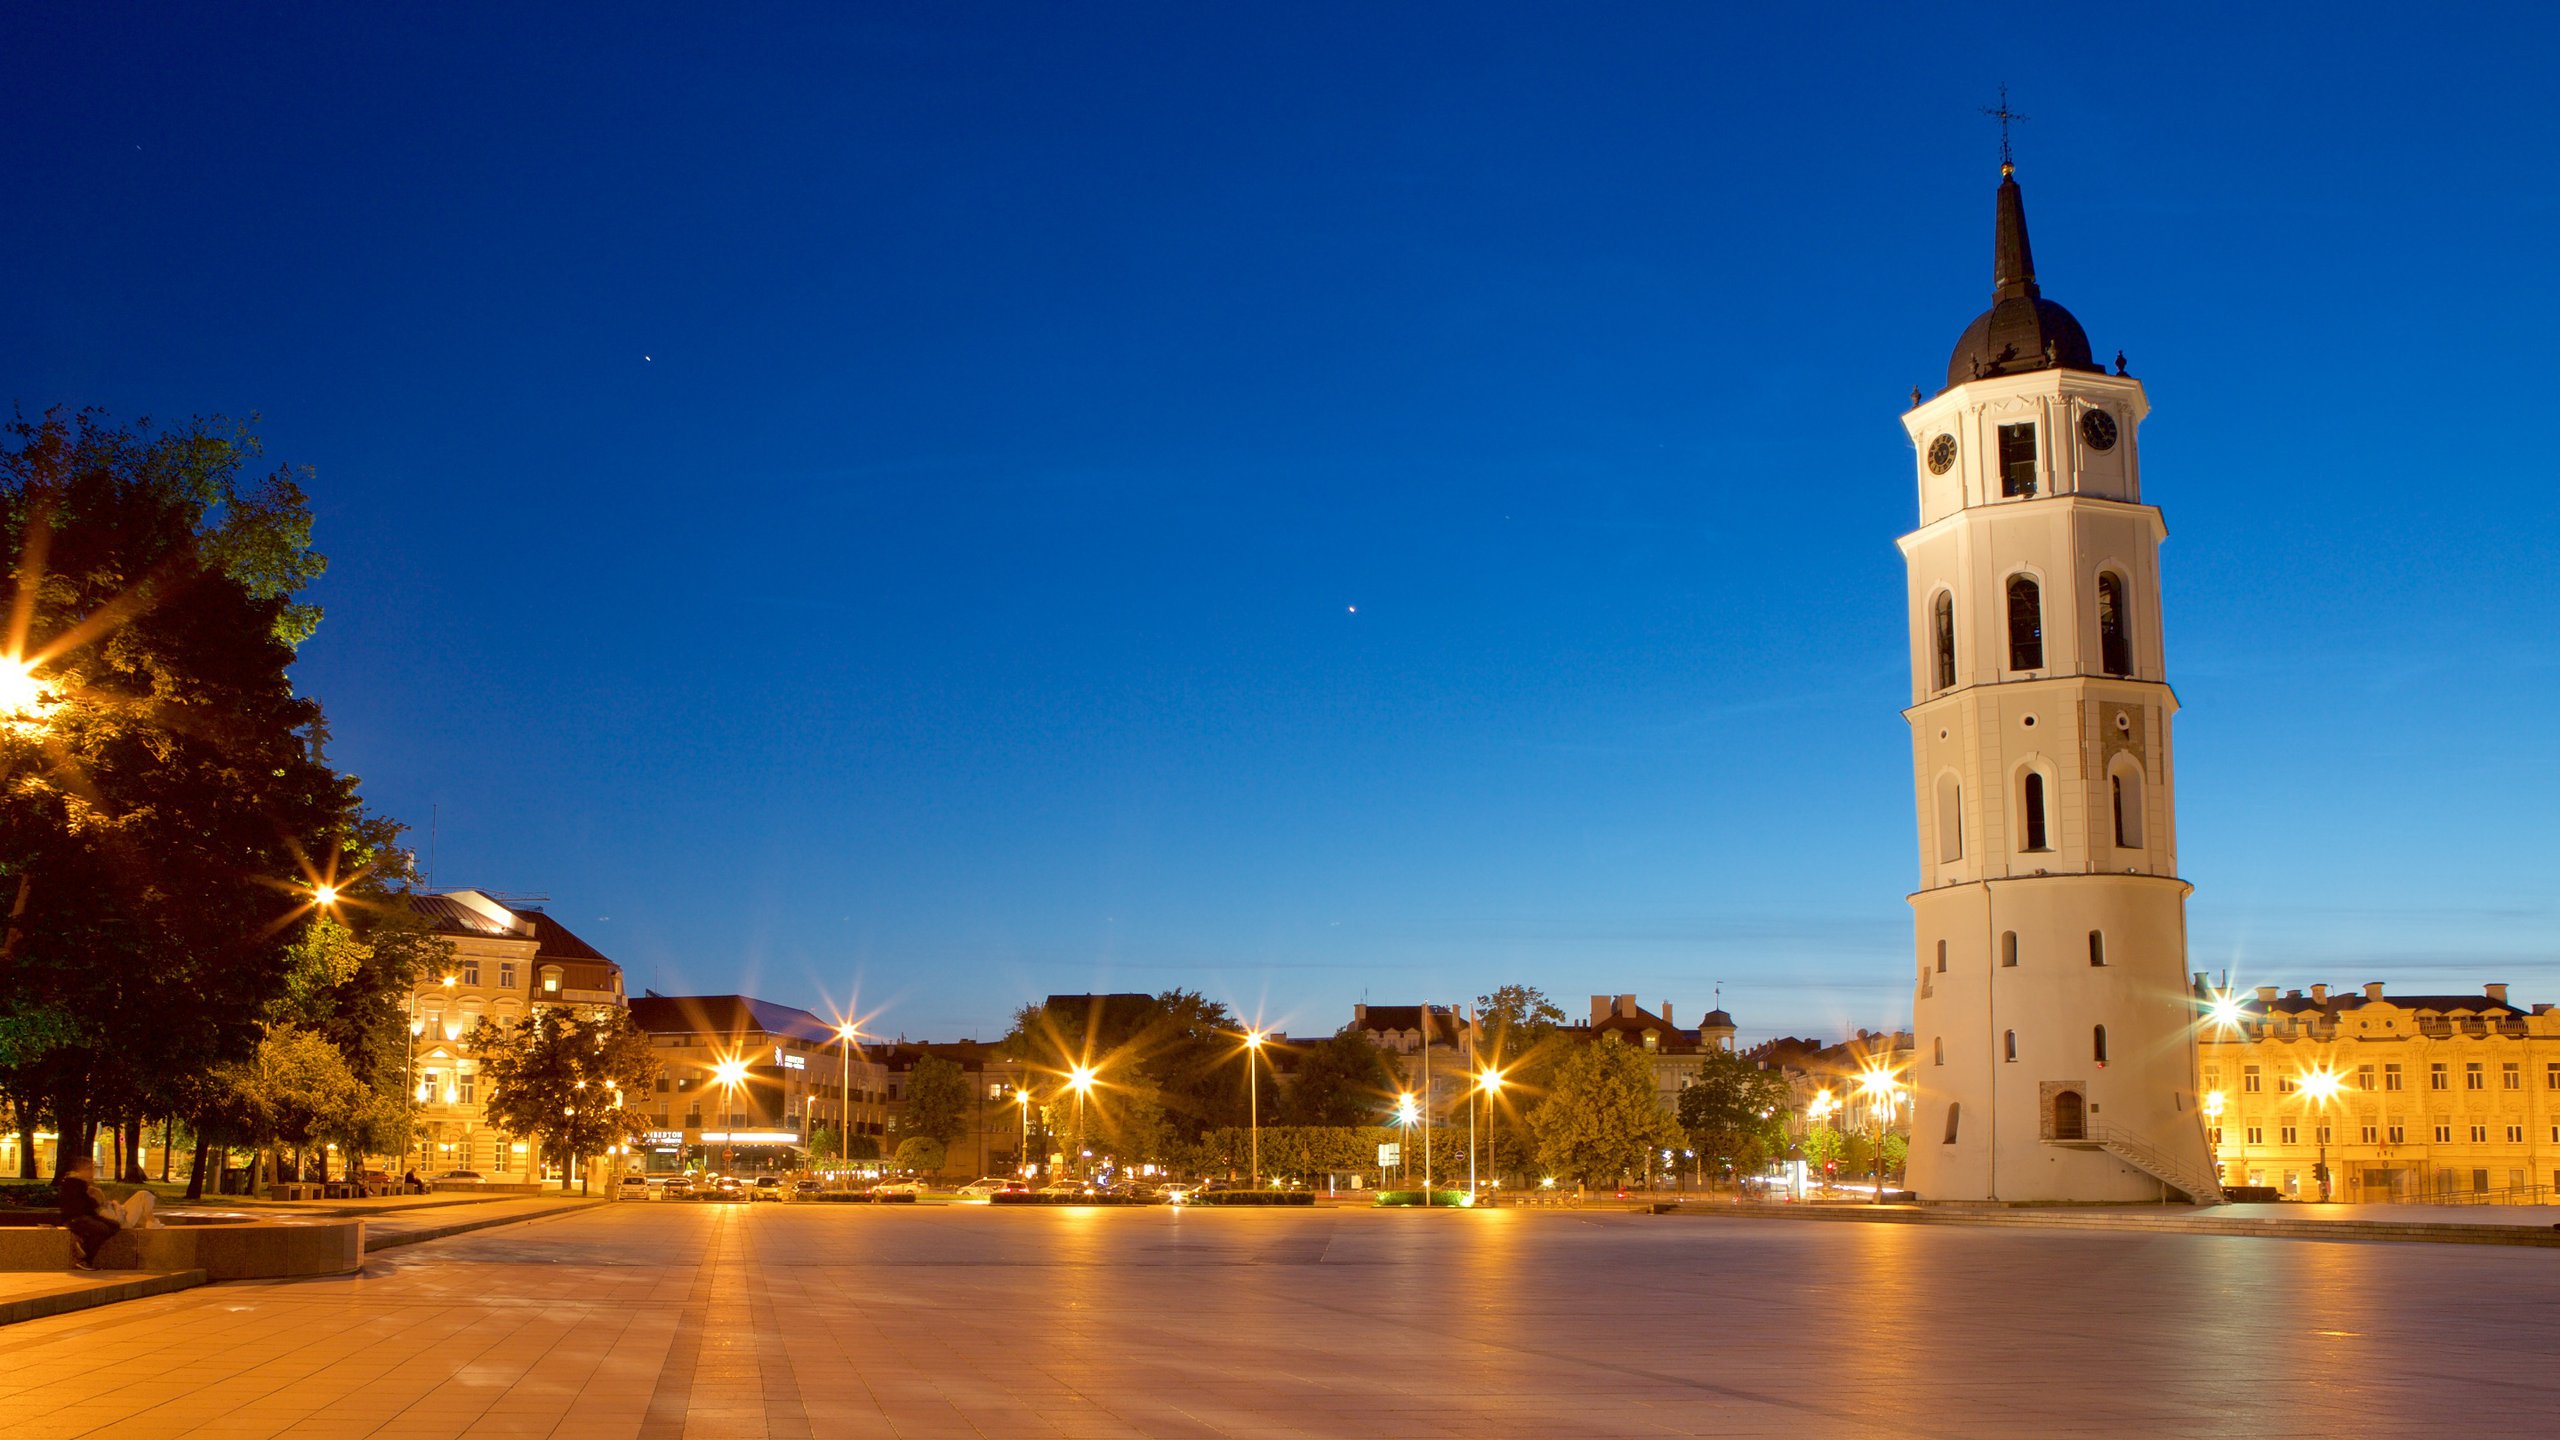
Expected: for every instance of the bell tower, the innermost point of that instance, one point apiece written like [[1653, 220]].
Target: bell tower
[[2055, 1035]]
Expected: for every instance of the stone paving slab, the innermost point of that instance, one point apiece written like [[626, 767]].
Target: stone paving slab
[[672, 1322], [33, 1296], [385, 1232]]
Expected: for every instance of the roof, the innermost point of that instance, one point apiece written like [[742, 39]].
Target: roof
[[557, 941], [726, 1015], [449, 916], [1406, 1017], [2022, 331]]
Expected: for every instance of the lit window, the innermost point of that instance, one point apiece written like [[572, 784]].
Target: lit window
[[2026, 623]]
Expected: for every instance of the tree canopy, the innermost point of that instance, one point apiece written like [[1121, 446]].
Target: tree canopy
[[561, 1074], [1601, 1121]]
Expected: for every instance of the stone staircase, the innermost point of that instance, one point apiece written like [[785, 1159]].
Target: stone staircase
[[2199, 1186]]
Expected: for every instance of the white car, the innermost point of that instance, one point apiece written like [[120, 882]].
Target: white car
[[980, 1189], [900, 1187]]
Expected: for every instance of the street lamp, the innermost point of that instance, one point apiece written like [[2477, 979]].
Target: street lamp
[[846, 1034], [25, 703], [1022, 1160], [1878, 1087], [1080, 1080], [2320, 1087], [1488, 1081], [730, 1074], [1253, 1102]]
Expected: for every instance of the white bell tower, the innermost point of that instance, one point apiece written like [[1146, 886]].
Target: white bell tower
[[2055, 1034]]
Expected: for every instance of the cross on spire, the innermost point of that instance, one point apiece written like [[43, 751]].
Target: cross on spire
[[2005, 116]]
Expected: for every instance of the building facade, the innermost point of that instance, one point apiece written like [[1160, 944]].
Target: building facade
[[792, 1073], [507, 961], [2056, 1057], [2388, 1098]]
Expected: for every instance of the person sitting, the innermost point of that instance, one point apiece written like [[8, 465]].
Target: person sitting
[[90, 1216]]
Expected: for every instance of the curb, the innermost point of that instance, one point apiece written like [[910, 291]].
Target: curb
[[2331, 1230], [37, 1307], [463, 1227]]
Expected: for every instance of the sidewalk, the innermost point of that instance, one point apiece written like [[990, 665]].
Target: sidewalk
[[2530, 1225], [32, 1295], [414, 1224]]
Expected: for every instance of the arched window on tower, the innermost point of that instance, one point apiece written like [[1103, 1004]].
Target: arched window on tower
[[2115, 625], [2009, 1046], [2098, 1043], [2124, 794], [1942, 632], [2031, 810], [2009, 949], [1950, 818], [1938, 1050], [2026, 623], [1942, 957], [2097, 947], [1953, 1109]]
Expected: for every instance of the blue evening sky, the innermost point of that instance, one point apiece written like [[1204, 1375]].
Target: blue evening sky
[[878, 495]]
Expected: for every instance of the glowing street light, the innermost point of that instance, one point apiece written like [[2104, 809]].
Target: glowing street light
[[324, 895], [25, 703], [1080, 1080], [2225, 1010], [729, 1075], [1881, 1091], [2319, 1087], [1487, 1082], [846, 1034], [1253, 1102]]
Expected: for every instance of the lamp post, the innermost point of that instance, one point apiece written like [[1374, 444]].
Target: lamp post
[[730, 1074], [1253, 1102], [2319, 1087], [1878, 1087], [846, 1034], [1080, 1080], [1406, 1113], [1022, 1158], [1488, 1084]]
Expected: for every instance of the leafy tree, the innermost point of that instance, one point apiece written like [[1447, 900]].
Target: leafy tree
[[1522, 1033], [937, 1101], [293, 1089], [1341, 1080], [1734, 1110], [167, 790], [558, 1076], [921, 1154], [1601, 1120], [1179, 1052]]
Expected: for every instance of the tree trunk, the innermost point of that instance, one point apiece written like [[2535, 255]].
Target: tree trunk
[[26, 1141], [168, 1141], [134, 1172], [195, 1173], [72, 1132]]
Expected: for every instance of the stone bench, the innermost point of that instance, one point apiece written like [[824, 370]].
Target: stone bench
[[223, 1247]]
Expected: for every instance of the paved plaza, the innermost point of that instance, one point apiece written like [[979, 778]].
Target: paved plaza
[[668, 1320]]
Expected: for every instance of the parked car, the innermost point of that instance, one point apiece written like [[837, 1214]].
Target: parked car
[[728, 1187], [803, 1187], [678, 1186], [985, 1186], [901, 1187], [460, 1175], [767, 1187], [633, 1187], [1064, 1187]]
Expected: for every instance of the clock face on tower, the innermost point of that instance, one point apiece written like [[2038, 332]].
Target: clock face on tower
[[1942, 454], [2098, 429]]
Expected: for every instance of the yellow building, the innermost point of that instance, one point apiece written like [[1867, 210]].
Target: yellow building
[[506, 961], [2413, 1098]]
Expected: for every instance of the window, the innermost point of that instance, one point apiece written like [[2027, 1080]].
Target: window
[[2256, 1135], [2031, 801], [1942, 632], [470, 972], [1938, 1050], [2018, 459], [506, 974], [2320, 1132], [2009, 1046], [2364, 1077], [2368, 1134], [2026, 623], [2217, 1137], [427, 1085], [2009, 949], [2098, 1043], [550, 979], [2474, 1077], [2285, 1084], [2436, 1079], [2551, 1075], [1950, 818], [2397, 1132], [2097, 947], [2213, 1077], [1942, 957], [2390, 1077], [2115, 634], [2124, 793], [2249, 1079], [2479, 1134], [1954, 1110], [2444, 1134], [470, 1085], [2286, 1135], [2511, 1076], [2515, 1134]]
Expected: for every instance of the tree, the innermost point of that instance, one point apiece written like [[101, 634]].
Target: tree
[[166, 806], [1522, 1034], [291, 1090], [920, 1154], [1341, 1080], [559, 1075], [938, 1099], [1601, 1121], [1180, 1052], [1733, 1110]]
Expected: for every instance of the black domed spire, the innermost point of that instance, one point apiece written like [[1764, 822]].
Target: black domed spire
[[2022, 331]]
